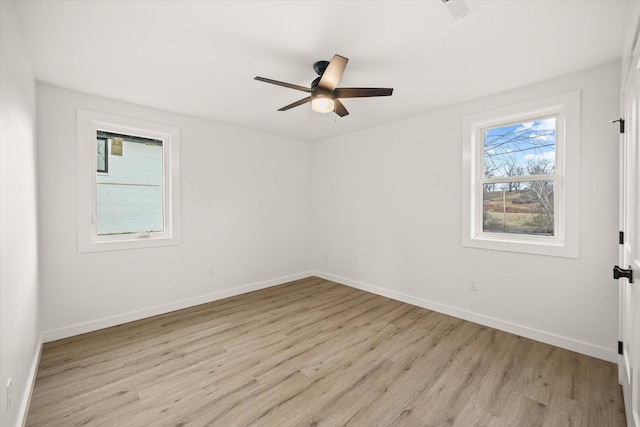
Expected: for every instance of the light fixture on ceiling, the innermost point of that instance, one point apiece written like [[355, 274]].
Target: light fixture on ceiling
[[322, 103], [457, 8]]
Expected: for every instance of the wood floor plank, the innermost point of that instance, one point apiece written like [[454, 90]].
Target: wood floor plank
[[316, 353]]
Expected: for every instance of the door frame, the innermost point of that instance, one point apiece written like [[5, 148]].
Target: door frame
[[629, 258]]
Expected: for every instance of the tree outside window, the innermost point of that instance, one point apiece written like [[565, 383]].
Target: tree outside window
[[519, 176]]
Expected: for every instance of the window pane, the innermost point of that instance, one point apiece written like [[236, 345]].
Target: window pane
[[522, 149], [129, 194], [101, 155], [518, 208]]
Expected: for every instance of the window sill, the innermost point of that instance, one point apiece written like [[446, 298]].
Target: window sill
[[126, 243], [523, 244]]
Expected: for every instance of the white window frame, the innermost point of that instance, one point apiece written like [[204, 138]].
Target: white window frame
[[566, 176], [88, 123]]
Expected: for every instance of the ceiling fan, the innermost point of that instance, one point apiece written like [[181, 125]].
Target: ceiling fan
[[324, 94]]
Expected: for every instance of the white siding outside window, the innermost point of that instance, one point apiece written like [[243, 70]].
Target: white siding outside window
[[128, 186]]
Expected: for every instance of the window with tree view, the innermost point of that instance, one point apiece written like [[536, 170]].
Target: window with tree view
[[521, 177], [519, 180]]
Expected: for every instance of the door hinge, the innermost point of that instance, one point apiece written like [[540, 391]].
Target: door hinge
[[620, 347], [621, 237], [621, 121], [622, 272]]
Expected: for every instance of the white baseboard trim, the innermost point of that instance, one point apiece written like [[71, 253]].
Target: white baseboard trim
[[30, 383], [94, 325], [610, 355]]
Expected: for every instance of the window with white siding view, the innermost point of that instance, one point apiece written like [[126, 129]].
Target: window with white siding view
[[129, 184]]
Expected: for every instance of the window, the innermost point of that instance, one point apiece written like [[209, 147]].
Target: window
[[102, 158], [521, 177], [128, 183]]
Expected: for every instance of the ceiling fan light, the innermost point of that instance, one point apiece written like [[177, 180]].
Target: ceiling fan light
[[322, 104]]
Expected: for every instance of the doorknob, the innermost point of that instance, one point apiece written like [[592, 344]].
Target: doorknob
[[621, 272]]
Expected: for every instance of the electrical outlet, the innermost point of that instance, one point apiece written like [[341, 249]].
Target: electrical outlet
[[212, 271], [9, 393], [326, 256], [473, 285]]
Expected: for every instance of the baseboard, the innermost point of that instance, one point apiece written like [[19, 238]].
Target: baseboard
[[31, 381], [609, 355], [119, 319]]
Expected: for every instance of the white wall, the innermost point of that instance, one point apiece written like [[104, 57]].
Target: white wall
[[387, 218], [19, 329], [386, 210], [246, 209]]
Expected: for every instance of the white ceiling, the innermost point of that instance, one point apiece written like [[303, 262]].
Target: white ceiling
[[200, 57]]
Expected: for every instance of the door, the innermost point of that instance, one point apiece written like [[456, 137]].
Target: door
[[629, 361]]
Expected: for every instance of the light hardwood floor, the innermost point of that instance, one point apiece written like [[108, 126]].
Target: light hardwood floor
[[316, 353]]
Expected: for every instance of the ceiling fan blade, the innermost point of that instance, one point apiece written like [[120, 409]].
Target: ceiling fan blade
[[362, 92], [339, 108], [295, 104], [332, 75], [289, 85]]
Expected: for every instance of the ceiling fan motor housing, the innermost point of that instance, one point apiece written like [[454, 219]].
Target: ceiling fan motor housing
[[314, 84], [320, 66]]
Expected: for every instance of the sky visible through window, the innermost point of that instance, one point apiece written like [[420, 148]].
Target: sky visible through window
[[521, 149]]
